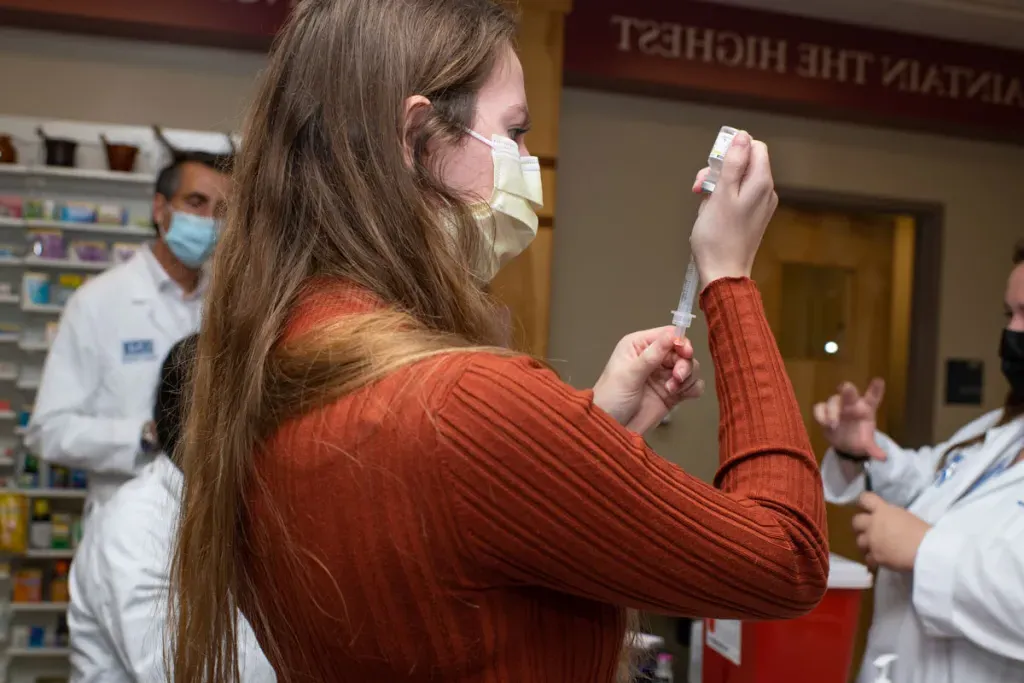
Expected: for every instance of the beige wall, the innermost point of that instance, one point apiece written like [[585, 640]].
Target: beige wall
[[624, 214], [623, 209], [119, 81]]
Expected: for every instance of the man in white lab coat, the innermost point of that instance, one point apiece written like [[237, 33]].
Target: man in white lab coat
[[120, 578], [92, 411]]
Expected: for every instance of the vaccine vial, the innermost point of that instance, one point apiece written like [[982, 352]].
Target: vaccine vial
[[717, 157]]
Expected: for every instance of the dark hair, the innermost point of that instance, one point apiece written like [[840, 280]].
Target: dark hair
[[168, 182], [171, 401], [1013, 407]]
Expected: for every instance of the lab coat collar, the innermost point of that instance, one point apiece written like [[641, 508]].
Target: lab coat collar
[[160, 279], [148, 275], [146, 286], [999, 442], [170, 476]]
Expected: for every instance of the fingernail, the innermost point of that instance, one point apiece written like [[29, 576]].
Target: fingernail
[[742, 138]]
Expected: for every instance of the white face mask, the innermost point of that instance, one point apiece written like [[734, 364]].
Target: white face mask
[[510, 219]]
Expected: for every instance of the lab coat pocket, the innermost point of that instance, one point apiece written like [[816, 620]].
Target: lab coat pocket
[[131, 378]]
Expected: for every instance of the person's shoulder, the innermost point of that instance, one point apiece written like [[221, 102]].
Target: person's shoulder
[[110, 286], [507, 384], [457, 368], [979, 426], [509, 365], [142, 508]]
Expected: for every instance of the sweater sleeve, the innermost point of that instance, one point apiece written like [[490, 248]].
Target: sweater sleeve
[[550, 491]]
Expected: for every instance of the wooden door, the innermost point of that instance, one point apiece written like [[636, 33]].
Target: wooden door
[[836, 288], [524, 285]]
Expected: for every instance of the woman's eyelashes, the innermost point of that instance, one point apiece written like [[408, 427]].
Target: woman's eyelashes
[[518, 133]]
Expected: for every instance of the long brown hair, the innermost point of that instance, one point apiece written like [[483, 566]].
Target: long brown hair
[[1013, 407], [332, 182]]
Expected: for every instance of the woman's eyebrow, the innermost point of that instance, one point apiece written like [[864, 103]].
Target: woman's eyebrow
[[522, 111]]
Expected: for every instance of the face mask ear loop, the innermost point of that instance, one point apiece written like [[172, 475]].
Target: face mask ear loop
[[479, 137]]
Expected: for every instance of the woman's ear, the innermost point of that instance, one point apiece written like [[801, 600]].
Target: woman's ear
[[417, 108]]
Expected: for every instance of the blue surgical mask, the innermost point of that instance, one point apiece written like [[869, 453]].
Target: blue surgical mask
[[191, 238]]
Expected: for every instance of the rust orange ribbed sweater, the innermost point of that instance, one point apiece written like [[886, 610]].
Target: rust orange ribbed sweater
[[473, 519]]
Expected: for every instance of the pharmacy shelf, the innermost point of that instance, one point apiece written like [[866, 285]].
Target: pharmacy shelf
[[63, 263], [25, 607], [71, 494], [20, 431], [8, 222], [67, 494], [30, 307], [10, 261], [33, 346], [27, 384], [58, 554], [8, 415], [143, 179], [6, 462], [10, 298], [38, 652], [95, 228]]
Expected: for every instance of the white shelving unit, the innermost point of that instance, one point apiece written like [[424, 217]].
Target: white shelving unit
[[89, 182], [37, 652], [45, 607]]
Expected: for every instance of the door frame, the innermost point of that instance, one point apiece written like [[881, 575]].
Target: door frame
[[923, 354]]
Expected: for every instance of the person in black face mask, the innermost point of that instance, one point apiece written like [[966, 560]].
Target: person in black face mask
[[1011, 352], [944, 525]]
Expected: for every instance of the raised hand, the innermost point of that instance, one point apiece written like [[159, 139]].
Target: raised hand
[[848, 419], [733, 219], [649, 373]]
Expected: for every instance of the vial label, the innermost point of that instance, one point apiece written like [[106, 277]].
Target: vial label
[[721, 146]]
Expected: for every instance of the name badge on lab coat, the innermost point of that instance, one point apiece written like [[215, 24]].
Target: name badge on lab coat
[[136, 350]]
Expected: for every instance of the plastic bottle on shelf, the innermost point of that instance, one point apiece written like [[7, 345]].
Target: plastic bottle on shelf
[[59, 583], [41, 528], [29, 476]]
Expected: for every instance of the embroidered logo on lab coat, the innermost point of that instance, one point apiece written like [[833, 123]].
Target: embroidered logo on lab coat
[[136, 350]]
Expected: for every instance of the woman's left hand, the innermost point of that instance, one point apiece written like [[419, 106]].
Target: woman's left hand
[[889, 536], [648, 375]]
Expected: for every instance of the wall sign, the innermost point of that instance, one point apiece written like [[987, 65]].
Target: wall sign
[[223, 23], [965, 382], [741, 55]]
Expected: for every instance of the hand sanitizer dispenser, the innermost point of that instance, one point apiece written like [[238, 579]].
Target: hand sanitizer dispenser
[[882, 664]]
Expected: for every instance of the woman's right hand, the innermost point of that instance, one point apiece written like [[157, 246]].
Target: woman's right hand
[[848, 419], [733, 219]]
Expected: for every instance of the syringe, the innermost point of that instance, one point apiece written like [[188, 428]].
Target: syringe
[[683, 316]]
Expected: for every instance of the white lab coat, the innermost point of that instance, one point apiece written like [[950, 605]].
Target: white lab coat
[[100, 378], [959, 617], [119, 585]]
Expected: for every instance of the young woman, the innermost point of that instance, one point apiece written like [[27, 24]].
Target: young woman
[[387, 493], [945, 525]]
